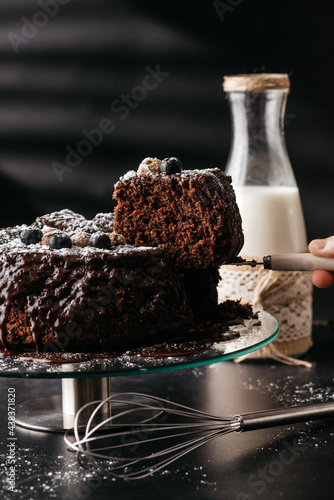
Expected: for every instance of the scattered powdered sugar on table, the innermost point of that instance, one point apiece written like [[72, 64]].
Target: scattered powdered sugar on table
[[63, 477], [297, 394], [59, 472]]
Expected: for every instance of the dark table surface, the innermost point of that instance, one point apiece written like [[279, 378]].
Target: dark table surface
[[292, 462]]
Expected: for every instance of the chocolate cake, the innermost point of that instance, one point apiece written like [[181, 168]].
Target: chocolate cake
[[67, 220], [192, 214], [144, 274], [56, 295]]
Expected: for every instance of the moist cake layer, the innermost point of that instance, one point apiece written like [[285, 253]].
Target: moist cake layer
[[193, 215]]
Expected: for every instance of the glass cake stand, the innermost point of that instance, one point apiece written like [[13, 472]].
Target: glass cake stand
[[90, 380]]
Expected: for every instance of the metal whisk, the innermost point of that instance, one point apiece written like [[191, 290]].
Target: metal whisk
[[145, 434]]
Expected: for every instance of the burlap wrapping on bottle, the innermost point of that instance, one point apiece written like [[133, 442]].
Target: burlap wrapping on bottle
[[287, 295]]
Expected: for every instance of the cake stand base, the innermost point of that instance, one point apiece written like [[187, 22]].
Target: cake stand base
[[57, 413]]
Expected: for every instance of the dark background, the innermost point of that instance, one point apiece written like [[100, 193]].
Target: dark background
[[65, 76]]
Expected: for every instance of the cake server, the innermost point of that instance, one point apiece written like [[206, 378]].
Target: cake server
[[290, 262]]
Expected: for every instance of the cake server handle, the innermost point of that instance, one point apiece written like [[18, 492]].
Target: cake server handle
[[297, 262], [290, 262]]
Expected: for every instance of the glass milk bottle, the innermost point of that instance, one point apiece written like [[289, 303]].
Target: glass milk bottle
[[269, 202]]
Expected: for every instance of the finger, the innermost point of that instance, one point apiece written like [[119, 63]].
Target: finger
[[322, 279], [322, 247]]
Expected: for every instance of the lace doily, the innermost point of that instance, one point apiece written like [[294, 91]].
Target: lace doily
[[287, 295]]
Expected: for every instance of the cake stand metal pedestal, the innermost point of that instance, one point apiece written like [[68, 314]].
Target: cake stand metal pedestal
[[57, 413]]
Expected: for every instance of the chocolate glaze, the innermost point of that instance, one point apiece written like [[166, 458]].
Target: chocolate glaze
[[86, 299], [193, 342]]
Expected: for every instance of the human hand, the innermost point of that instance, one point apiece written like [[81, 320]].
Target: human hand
[[322, 248]]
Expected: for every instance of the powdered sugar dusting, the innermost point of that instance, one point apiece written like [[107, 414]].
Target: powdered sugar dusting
[[13, 245], [128, 176], [214, 173], [71, 223]]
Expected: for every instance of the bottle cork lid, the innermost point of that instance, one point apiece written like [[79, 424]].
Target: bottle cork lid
[[254, 82]]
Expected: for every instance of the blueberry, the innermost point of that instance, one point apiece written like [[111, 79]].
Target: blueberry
[[100, 240], [31, 236], [171, 165], [60, 240]]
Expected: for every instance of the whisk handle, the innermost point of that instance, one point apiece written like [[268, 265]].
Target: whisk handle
[[282, 416]]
